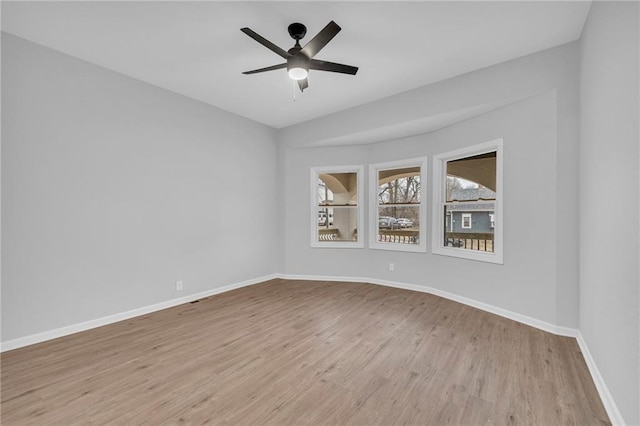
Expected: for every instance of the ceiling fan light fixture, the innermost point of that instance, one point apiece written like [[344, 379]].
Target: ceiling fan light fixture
[[298, 73], [297, 66]]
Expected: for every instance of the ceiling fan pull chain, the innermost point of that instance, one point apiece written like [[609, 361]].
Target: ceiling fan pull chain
[[294, 89]]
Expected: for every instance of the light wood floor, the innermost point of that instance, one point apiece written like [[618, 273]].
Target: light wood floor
[[303, 352]]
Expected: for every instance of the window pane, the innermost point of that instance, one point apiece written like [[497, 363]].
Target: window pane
[[399, 205], [469, 226], [337, 207], [399, 186], [338, 224], [469, 207], [404, 229], [472, 178]]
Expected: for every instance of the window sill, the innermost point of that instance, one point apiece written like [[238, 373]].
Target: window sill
[[412, 248], [337, 244], [479, 256]]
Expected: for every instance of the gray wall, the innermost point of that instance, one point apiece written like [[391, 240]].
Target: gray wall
[[541, 145], [609, 192], [113, 189], [526, 283]]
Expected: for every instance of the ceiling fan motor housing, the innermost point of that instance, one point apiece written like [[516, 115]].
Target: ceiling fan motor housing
[[297, 31]]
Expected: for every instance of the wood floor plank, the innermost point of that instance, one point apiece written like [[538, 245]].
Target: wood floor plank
[[304, 352]]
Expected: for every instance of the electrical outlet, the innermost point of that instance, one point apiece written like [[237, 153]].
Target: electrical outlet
[[392, 267], [178, 285]]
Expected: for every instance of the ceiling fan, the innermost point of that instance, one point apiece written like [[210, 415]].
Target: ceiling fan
[[300, 59]]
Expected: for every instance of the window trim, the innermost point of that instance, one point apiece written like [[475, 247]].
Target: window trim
[[313, 217], [421, 247], [466, 215], [439, 194]]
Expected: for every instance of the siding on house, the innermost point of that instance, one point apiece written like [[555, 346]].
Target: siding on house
[[480, 222]]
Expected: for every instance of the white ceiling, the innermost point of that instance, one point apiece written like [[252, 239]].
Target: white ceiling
[[196, 48]]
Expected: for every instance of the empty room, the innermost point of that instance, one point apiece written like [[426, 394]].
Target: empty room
[[334, 212]]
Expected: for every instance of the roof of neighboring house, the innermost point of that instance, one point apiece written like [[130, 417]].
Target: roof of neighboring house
[[472, 194], [475, 207]]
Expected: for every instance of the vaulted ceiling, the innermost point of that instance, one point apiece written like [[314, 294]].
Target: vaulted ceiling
[[196, 48]]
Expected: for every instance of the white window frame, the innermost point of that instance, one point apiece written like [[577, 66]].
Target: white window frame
[[439, 195], [421, 247], [464, 216], [316, 171]]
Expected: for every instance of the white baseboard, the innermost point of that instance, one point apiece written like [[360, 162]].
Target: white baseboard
[[110, 319], [98, 322], [533, 322], [607, 399], [603, 390]]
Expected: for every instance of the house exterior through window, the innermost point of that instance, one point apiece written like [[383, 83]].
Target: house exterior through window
[[336, 206], [398, 212], [468, 203]]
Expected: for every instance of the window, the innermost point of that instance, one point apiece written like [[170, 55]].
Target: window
[[397, 209], [336, 200], [466, 220], [467, 208]]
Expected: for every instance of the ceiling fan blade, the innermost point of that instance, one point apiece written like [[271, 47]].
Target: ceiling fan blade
[[315, 64], [321, 39], [271, 68], [266, 43], [303, 84]]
